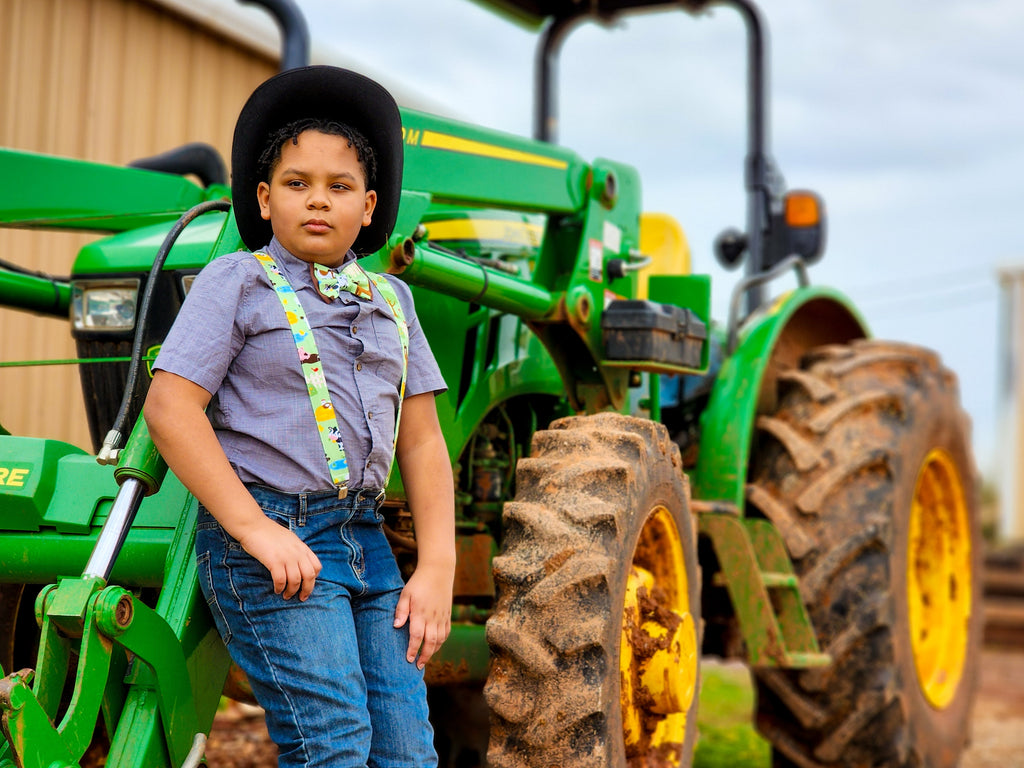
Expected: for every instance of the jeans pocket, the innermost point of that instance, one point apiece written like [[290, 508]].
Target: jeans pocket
[[204, 520], [206, 584]]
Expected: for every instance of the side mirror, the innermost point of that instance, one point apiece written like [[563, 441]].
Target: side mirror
[[730, 246]]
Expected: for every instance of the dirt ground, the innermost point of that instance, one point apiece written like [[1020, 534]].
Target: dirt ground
[[239, 737], [239, 740], [998, 740]]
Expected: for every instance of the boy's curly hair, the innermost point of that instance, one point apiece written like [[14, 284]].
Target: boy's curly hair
[[271, 153]]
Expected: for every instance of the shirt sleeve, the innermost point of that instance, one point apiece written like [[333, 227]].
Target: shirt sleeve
[[209, 330], [424, 374]]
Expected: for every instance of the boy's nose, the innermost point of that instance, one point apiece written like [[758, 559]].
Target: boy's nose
[[317, 200]]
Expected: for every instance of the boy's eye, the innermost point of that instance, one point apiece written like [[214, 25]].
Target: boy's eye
[[296, 183]]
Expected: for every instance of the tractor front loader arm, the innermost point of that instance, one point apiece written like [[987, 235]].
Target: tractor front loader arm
[[60, 193], [587, 250], [154, 674]]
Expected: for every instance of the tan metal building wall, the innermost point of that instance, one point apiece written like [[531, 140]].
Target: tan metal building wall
[[109, 81]]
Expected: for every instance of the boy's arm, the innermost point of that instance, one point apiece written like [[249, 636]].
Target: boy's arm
[[175, 412], [426, 601]]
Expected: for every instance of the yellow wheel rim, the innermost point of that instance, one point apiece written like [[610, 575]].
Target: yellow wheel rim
[[658, 657], [939, 578]]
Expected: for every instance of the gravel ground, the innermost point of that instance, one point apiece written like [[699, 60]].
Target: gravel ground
[[239, 737]]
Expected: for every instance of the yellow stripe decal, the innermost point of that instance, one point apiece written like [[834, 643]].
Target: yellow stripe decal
[[511, 232], [434, 140]]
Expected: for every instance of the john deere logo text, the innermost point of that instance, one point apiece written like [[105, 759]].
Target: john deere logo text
[[13, 477]]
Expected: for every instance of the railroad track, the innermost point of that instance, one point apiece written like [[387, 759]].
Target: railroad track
[[1004, 598]]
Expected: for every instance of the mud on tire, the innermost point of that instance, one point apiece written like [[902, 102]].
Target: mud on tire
[[595, 502], [865, 469]]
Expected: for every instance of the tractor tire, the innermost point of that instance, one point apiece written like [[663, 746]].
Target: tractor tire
[[10, 601], [595, 633], [19, 633], [865, 469]]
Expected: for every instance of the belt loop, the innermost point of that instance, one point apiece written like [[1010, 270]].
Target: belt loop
[[369, 493]]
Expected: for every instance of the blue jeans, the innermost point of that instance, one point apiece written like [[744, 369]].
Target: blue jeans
[[330, 672]]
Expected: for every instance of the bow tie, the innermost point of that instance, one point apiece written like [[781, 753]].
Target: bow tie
[[351, 278]]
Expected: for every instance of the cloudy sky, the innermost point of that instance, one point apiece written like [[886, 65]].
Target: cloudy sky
[[906, 115]]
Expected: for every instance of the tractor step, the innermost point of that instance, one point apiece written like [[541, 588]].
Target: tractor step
[[765, 592], [807, 660], [774, 580]]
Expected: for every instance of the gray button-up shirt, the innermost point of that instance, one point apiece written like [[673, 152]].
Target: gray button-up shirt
[[232, 338]]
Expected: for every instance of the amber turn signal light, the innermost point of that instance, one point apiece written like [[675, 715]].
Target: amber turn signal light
[[803, 209]]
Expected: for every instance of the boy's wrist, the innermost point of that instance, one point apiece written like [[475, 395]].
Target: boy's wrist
[[435, 562], [242, 524]]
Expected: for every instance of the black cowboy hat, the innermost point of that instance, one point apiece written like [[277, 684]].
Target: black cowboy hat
[[321, 92]]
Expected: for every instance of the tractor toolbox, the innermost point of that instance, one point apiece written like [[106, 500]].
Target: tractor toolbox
[[638, 329]]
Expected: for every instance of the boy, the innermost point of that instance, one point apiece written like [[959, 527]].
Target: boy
[[287, 444]]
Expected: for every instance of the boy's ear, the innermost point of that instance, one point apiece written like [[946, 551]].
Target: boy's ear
[[369, 204], [263, 197]]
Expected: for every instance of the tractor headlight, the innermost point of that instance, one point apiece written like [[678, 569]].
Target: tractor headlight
[[104, 305]]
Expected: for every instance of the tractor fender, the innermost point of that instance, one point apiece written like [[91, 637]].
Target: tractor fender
[[772, 339]]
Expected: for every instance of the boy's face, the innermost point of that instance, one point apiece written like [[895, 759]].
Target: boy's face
[[316, 200]]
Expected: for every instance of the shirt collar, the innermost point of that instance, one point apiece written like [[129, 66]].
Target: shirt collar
[[296, 269]]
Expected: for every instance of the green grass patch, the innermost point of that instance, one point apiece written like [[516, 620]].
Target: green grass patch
[[725, 720]]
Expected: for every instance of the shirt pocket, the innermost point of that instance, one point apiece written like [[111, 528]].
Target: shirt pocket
[[389, 362]]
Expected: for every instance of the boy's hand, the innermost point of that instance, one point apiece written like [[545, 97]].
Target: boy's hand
[[175, 413], [426, 602], [293, 566]]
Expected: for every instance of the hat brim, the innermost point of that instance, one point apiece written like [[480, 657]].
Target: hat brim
[[320, 92]]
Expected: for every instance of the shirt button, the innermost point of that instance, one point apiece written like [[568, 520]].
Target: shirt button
[[355, 329], [359, 366], [369, 414]]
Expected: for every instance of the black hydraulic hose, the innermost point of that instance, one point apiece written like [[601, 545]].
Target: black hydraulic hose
[[112, 441], [20, 270]]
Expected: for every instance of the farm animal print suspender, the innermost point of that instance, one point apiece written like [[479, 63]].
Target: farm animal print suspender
[[354, 279]]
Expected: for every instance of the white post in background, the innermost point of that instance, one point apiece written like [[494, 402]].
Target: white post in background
[[1010, 404]]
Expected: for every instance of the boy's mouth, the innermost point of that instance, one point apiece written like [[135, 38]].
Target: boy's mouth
[[316, 225]]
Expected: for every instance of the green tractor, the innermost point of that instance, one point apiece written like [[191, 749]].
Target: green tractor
[[638, 486]]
